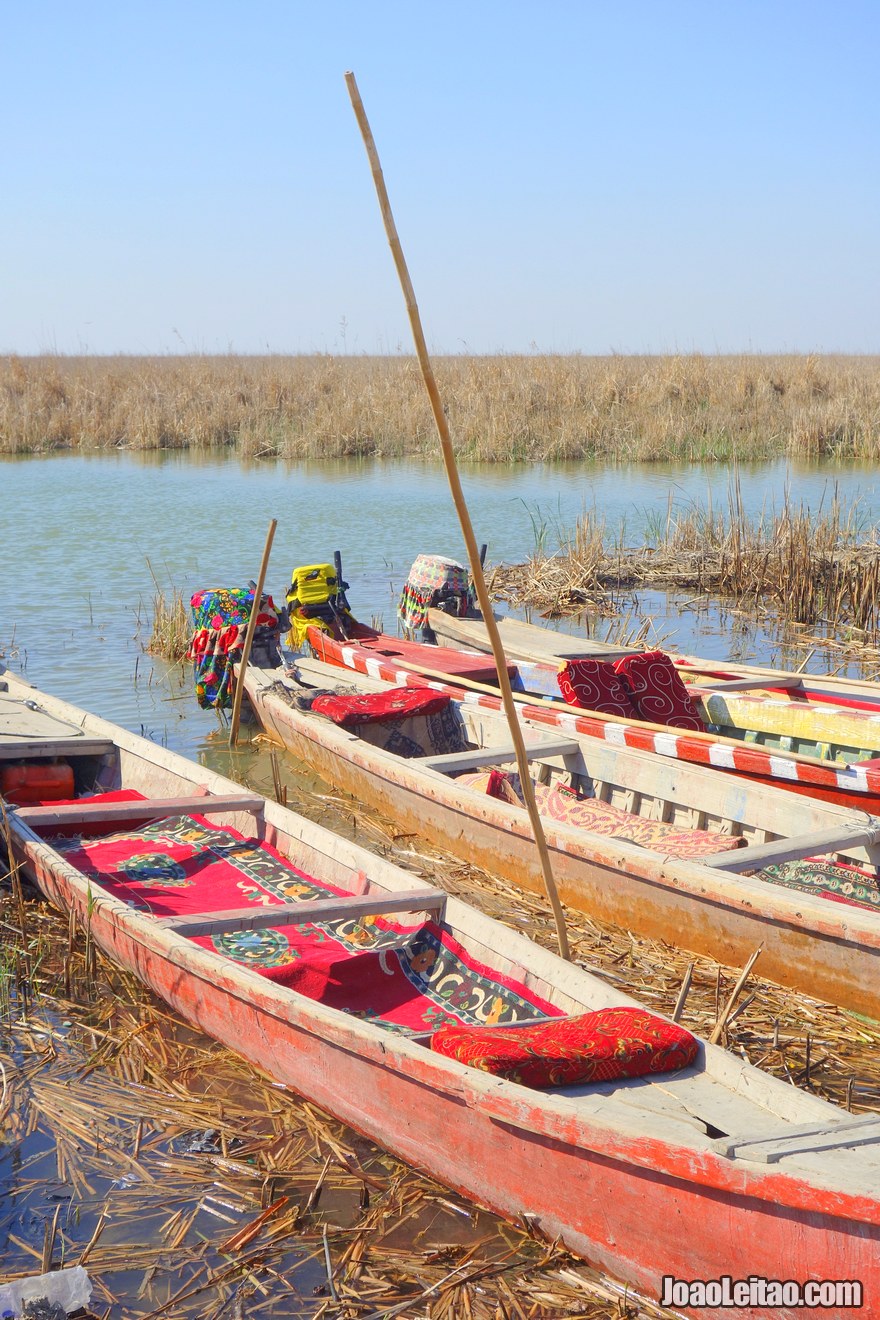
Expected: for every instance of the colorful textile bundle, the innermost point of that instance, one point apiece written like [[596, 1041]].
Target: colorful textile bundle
[[645, 686], [593, 1047], [433, 581], [350, 710], [405, 978], [220, 618]]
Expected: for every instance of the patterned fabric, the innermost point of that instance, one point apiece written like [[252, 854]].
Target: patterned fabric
[[433, 579], [421, 735], [494, 782], [595, 685], [564, 804], [348, 711], [405, 978], [656, 690], [594, 1047], [220, 619], [556, 802], [833, 880]]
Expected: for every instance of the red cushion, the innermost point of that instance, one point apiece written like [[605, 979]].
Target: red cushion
[[349, 710], [656, 690], [595, 1047], [594, 685]]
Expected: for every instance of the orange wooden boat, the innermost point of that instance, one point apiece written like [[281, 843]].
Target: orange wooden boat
[[712, 1170]]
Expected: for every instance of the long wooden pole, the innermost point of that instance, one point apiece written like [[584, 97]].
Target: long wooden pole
[[462, 510], [249, 635]]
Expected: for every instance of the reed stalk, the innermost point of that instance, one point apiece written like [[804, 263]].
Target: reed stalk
[[172, 628], [810, 567]]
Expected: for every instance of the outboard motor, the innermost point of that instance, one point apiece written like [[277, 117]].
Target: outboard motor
[[220, 621], [317, 598], [435, 583]]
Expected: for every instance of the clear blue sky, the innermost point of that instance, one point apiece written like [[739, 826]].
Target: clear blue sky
[[595, 176]]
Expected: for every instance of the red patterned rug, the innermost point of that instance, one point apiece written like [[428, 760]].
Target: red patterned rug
[[406, 978]]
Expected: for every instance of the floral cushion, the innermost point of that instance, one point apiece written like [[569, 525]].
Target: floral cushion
[[567, 806], [595, 685], [594, 1047], [350, 709], [656, 690]]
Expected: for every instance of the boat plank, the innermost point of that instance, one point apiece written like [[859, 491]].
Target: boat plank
[[774, 1146], [85, 812], [475, 757], [818, 842], [314, 910]]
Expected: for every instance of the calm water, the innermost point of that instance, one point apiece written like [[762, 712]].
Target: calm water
[[80, 536]]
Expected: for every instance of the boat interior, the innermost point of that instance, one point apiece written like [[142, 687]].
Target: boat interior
[[675, 808]]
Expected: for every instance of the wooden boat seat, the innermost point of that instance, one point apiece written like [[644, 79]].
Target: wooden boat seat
[[709, 685], [816, 843], [475, 757], [313, 910], [85, 811], [772, 1147]]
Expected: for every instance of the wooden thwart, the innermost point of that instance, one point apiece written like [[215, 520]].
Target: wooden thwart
[[86, 811], [15, 748], [475, 757], [817, 842], [709, 685], [315, 910], [769, 1149]]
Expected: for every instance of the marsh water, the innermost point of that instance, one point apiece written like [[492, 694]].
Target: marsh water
[[82, 539]]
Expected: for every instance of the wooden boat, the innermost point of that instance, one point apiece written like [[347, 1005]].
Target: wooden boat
[[693, 890], [758, 1171], [791, 732]]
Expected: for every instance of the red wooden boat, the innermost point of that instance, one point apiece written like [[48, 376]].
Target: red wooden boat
[[710, 1170]]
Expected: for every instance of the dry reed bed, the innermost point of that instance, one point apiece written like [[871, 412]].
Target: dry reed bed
[[808, 567], [501, 409], [189, 1185]]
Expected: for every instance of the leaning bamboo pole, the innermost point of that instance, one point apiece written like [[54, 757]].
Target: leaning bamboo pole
[[462, 511], [249, 635]]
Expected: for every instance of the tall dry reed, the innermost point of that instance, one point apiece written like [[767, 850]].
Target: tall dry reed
[[501, 409], [809, 566]]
